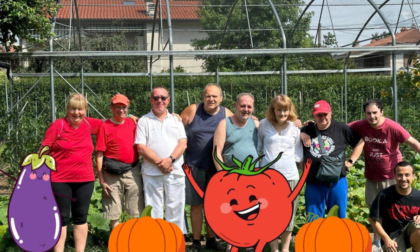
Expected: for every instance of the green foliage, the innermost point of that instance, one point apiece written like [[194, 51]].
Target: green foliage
[[92, 42], [27, 126], [22, 18], [6, 239], [377, 36], [330, 40], [265, 32], [357, 210]]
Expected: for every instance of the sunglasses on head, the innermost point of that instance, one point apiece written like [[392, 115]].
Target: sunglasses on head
[[157, 98]]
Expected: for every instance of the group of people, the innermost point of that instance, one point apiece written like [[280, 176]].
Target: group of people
[[162, 139]]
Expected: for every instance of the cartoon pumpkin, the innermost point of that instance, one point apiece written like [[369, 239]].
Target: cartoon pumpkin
[[333, 234], [146, 234]]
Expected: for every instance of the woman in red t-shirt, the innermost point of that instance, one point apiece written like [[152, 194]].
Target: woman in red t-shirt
[[70, 143]]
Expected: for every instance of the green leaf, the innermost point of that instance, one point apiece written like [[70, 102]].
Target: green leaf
[[96, 220], [333, 211], [147, 211]]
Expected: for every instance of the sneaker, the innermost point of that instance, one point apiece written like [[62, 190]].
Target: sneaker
[[195, 247], [250, 250], [376, 248], [214, 245]]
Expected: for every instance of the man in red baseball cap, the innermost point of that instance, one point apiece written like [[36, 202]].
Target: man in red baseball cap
[[328, 138], [117, 163]]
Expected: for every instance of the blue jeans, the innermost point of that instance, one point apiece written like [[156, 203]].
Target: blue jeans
[[318, 195]]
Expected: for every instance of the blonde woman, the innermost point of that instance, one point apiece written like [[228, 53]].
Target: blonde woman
[[70, 143], [277, 133]]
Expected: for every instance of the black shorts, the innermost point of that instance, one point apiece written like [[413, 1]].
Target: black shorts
[[74, 197]]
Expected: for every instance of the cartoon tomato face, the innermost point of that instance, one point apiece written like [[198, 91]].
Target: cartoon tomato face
[[247, 206], [238, 207]]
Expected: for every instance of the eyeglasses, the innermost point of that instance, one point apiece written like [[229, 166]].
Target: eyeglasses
[[157, 98]]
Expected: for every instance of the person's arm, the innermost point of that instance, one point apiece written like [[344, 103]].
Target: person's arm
[[306, 139], [297, 123], [166, 163], [257, 123], [187, 115], [414, 144], [99, 162], [219, 141], [228, 113], [416, 219], [260, 145], [357, 150], [133, 117], [390, 245]]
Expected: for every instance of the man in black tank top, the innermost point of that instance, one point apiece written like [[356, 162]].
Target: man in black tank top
[[201, 121]]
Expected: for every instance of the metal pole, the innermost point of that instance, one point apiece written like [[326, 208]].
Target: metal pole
[[52, 72], [171, 57], [81, 47], [284, 76], [394, 66], [345, 94]]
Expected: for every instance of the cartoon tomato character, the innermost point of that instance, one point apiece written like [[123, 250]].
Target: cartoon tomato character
[[248, 206]]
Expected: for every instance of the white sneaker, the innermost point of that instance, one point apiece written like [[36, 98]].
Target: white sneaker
[[376, 248]]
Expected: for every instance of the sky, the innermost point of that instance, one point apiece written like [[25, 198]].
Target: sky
[[345, 18]]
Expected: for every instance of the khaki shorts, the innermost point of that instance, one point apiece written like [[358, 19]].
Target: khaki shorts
[[373, 188], [404, 237], [127, 194]]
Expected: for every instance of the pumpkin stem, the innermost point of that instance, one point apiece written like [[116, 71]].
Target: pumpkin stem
[[147, 211], [333, 211]]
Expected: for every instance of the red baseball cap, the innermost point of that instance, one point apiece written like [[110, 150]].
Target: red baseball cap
[[119, 98], [321, 107]]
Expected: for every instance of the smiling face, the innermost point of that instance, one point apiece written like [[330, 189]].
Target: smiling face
[[159, 99], [75, 116], [119, 111], [76, 109], [374, 115], [322, 120], [245, 210], [244, 108], [282, 114], [404, 177]]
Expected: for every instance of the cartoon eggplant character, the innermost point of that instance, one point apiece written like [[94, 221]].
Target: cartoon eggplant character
[[34, 218]]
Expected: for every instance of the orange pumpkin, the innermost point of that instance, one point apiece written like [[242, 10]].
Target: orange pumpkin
[[333, 234], [146, 234]]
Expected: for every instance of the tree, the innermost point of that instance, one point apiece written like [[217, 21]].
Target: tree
[[378, 36], [91, 42], [22, 18], [264, 31], [330, 40]]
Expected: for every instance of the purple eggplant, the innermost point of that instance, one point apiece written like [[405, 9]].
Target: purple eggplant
[[34, 218]]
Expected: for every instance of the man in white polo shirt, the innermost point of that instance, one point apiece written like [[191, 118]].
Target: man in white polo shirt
[[161, 140]]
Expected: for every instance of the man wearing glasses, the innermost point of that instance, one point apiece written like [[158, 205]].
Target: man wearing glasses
[[161, 141], [117, 163]]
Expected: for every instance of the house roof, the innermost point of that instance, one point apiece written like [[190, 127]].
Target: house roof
[[127, 10], [406, 36]]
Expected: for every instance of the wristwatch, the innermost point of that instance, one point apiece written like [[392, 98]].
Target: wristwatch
[[172, 158], [350, 161]]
